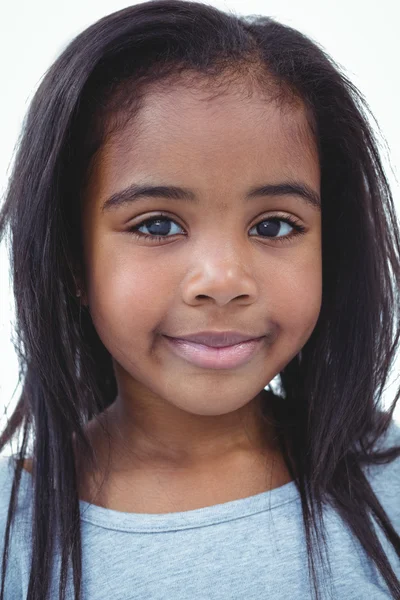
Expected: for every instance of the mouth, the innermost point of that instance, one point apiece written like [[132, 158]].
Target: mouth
[[210, 357]]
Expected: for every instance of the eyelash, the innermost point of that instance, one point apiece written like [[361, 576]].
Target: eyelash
[[298, 228]]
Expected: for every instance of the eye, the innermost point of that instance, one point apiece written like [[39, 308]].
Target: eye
[[272, 229], [159, 228]]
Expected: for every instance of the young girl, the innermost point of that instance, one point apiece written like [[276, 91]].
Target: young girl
[[197, 206]]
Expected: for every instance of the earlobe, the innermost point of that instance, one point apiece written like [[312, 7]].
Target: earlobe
[[79, 291], [80, 294]]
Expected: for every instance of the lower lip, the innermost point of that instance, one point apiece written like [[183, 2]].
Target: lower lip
[[207, 357]]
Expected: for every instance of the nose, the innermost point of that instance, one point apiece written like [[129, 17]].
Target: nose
[[220, 280]]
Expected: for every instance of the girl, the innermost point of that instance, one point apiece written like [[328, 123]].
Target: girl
[[198, 206]]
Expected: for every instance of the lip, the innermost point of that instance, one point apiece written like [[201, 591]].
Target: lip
[[217, 339], [209, 357]]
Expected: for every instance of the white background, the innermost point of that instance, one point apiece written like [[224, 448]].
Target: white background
[[362, 36]]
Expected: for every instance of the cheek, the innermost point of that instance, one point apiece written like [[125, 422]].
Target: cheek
[[293, 304], [127, 295], [298, 302]]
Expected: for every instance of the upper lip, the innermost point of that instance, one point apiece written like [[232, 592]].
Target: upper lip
[[217, 339]]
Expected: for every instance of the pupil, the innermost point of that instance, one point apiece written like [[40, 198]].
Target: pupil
[[162, 227], [268, 227]]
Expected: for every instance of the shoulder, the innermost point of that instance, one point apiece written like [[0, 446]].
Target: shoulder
[[390, 439], [7, 473], [23, 504], [13, 572], [6, 481], [392, 436], [385, 478]]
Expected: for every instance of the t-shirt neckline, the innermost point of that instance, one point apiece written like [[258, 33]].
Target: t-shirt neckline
[[108, 518]]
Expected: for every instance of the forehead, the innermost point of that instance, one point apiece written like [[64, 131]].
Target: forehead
[[224, 140]]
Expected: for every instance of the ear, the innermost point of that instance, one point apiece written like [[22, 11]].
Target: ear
[[80, 288]]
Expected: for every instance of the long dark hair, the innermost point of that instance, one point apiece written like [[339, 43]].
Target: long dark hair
[[331, 417]]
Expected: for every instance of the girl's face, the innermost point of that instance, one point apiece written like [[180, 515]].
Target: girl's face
[[221, 263]]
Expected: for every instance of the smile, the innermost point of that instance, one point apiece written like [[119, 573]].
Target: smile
[[208, 357]]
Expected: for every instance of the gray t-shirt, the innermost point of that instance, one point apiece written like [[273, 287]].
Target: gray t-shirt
[[252, 548]]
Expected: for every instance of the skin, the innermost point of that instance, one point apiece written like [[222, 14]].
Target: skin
[[174, 425]]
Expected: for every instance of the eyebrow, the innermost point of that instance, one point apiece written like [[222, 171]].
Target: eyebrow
[[135, 192]]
